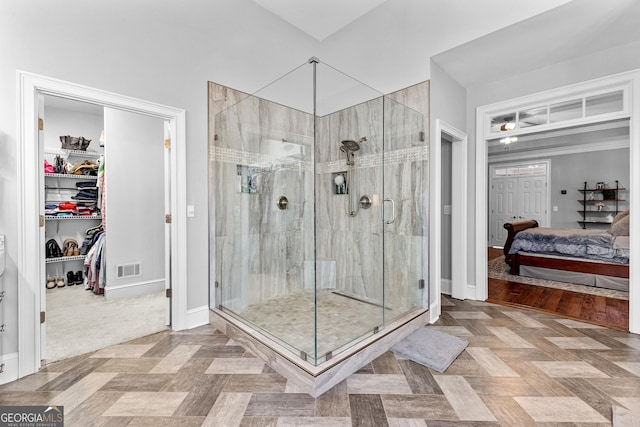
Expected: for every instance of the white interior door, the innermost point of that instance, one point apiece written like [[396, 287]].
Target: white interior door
[[532, 193], [504, 202], [167, 226], [135, 181], [517, 192], [41, 258]]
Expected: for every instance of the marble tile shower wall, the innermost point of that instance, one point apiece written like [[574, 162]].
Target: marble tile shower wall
[[263, 252], [260, 249], [355, 244]]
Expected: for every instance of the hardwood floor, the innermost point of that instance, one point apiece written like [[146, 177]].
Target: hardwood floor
[[599, 310]]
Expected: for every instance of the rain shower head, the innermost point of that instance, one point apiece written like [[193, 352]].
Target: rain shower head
[[350, 145]]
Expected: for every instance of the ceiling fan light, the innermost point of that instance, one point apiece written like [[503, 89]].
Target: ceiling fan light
[[507, 126], [508, 140]]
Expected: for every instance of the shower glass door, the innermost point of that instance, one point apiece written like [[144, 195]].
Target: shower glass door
[[263, 203], [405, 202], [349, 143]]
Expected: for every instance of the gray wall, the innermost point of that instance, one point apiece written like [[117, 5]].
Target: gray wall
[[569, 172]]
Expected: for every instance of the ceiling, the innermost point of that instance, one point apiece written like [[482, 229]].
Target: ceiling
[[572, 30], [319, 18]]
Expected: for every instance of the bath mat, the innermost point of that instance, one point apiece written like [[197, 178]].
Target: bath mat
[[622, 417], [431, 348]]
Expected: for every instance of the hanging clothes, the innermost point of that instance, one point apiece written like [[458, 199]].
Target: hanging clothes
[[94, 263], [102, 191]]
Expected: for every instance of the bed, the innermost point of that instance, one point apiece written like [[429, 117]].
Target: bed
[[588, 257]]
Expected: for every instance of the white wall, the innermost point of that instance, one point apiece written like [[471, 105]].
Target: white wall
[[158, 52]]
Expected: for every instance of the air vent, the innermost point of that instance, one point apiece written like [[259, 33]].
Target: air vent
[[129, 270]]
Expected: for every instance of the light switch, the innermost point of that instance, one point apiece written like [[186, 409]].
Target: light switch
[[555, 209], [191, 211], [446, 209]]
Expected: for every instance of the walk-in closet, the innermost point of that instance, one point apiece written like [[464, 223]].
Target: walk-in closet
[[103, 226]]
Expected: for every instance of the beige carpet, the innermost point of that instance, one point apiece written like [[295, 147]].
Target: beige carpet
[[498, 269], [79, 322]]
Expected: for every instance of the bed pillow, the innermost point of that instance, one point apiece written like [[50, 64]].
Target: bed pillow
[[620, 216], [621, 227]]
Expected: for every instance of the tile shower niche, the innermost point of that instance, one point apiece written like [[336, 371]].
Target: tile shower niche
[[305, 274]]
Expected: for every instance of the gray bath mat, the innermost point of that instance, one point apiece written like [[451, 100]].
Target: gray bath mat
[[431, 348]]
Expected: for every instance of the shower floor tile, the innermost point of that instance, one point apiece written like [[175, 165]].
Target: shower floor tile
[[340, 319]]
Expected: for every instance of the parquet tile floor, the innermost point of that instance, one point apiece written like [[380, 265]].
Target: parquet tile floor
[[521, 368]]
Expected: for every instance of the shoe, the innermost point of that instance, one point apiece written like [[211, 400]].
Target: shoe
[[71, 278], [79, 278], [69, 247], [60, 282], [50, 283], [52, 249]]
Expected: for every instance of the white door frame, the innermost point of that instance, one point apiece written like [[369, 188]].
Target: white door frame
[[29, 86], [631, 81], [458, 215]]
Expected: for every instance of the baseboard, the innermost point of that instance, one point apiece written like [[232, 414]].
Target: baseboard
[[197, 317], [112, 293], [10, 368]]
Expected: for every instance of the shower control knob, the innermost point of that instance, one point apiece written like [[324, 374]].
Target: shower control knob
[[282, 203], [365, 202]]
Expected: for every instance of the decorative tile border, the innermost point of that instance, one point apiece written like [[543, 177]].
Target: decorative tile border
[[403, 155]]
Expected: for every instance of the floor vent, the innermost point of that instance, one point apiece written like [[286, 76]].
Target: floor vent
[[129, 270]]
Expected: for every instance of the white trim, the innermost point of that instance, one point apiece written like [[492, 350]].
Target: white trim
[[29, 85], [559, 151], [634, 204], [458, 211], [629, 80], [112, 293], [197, 316], [10, 368]]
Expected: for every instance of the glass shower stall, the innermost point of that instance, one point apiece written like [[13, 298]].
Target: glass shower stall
[[318, 211]]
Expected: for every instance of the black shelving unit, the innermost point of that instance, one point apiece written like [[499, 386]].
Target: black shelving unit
[[609, 204]]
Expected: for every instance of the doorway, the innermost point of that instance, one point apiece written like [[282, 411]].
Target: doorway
[[582, 94], [456, 212], [112, 283], [30, 88]]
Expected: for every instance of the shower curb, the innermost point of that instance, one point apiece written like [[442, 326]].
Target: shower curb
[[308, 378]]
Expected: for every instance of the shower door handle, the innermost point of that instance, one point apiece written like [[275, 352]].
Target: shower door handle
[[393, 211]]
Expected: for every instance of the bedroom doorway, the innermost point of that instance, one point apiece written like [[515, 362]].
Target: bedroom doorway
[[599, 102], [517, 191]]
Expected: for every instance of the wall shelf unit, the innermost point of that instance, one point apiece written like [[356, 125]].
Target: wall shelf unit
[[601, 204]]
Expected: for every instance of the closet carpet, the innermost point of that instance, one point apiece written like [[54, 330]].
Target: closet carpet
[[521, 368], [79, 321]]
